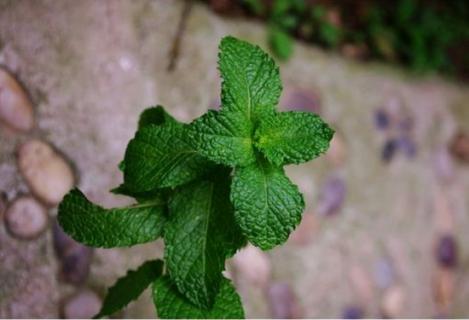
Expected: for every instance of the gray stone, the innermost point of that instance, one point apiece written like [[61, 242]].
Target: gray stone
[[16, 110], [83, 305], [47, 173], [25, 218]]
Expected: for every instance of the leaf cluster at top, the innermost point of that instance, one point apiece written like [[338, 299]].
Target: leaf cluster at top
[[207, 188]]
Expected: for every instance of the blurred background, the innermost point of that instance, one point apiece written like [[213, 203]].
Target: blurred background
[[384, 233]]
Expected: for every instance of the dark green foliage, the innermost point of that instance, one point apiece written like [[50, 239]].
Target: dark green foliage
[[207, 188], [420, 34], [130, 287]]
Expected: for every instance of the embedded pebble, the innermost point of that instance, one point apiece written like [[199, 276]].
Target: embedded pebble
[[3, 203], [389, 150], [381, 119], [407, 145], [26, 218], [332, 196], [301, 100], [305, 230], [443, 289], [16, 110], [447, 251], [282, 302], [82, 305], [443, 166], [459, 146], [61, 241], [76, 265], [75, 258], [254, 265], [393, 302], [337, 150], [47, 173], [385, 273], [352, 312]]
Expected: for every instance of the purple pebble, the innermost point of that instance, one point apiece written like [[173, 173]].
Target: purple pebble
[[74, 257], [381, 119], [352, 312], [281, 300], [408, 146], [385, 274], [332, 196], [76, 265], [389, 150], [447, 251]]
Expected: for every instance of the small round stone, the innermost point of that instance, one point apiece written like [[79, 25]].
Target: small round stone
[[393, 302], [16, 110], [47, 173], [332, 196], [389, 150], [385, 273], [75, 264], [459, 147], [3, 203], [447, 251], [282, 301], [26, 218], [406, 145], [352, 312], [82, 305], [444, 289], [381, 119]]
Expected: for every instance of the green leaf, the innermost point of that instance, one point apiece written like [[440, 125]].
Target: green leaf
[[121, 166], [280, 42], [223, 137], [267, 205], [119, 227], [200, 234], [293, 137], [141, 197], [155, 115], [251, 80], [160, 157], [255, 6], [170, 304], [130, 287]]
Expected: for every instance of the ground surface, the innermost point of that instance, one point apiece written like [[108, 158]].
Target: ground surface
[[92, 66]]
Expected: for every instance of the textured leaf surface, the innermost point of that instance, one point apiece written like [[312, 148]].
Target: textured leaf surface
[[130, 287], [146, 196], [293, 137], [155, 115], [98, 227], [159, 157], [170, 304], [200, 234], [223, 137], [251, 81], [267, 205]]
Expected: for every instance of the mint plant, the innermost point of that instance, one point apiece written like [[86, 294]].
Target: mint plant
[[207, 188]]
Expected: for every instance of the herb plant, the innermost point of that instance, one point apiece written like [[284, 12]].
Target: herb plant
[[207, 188]]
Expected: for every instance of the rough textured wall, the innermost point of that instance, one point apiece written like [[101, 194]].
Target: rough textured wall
[[90, 68]]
